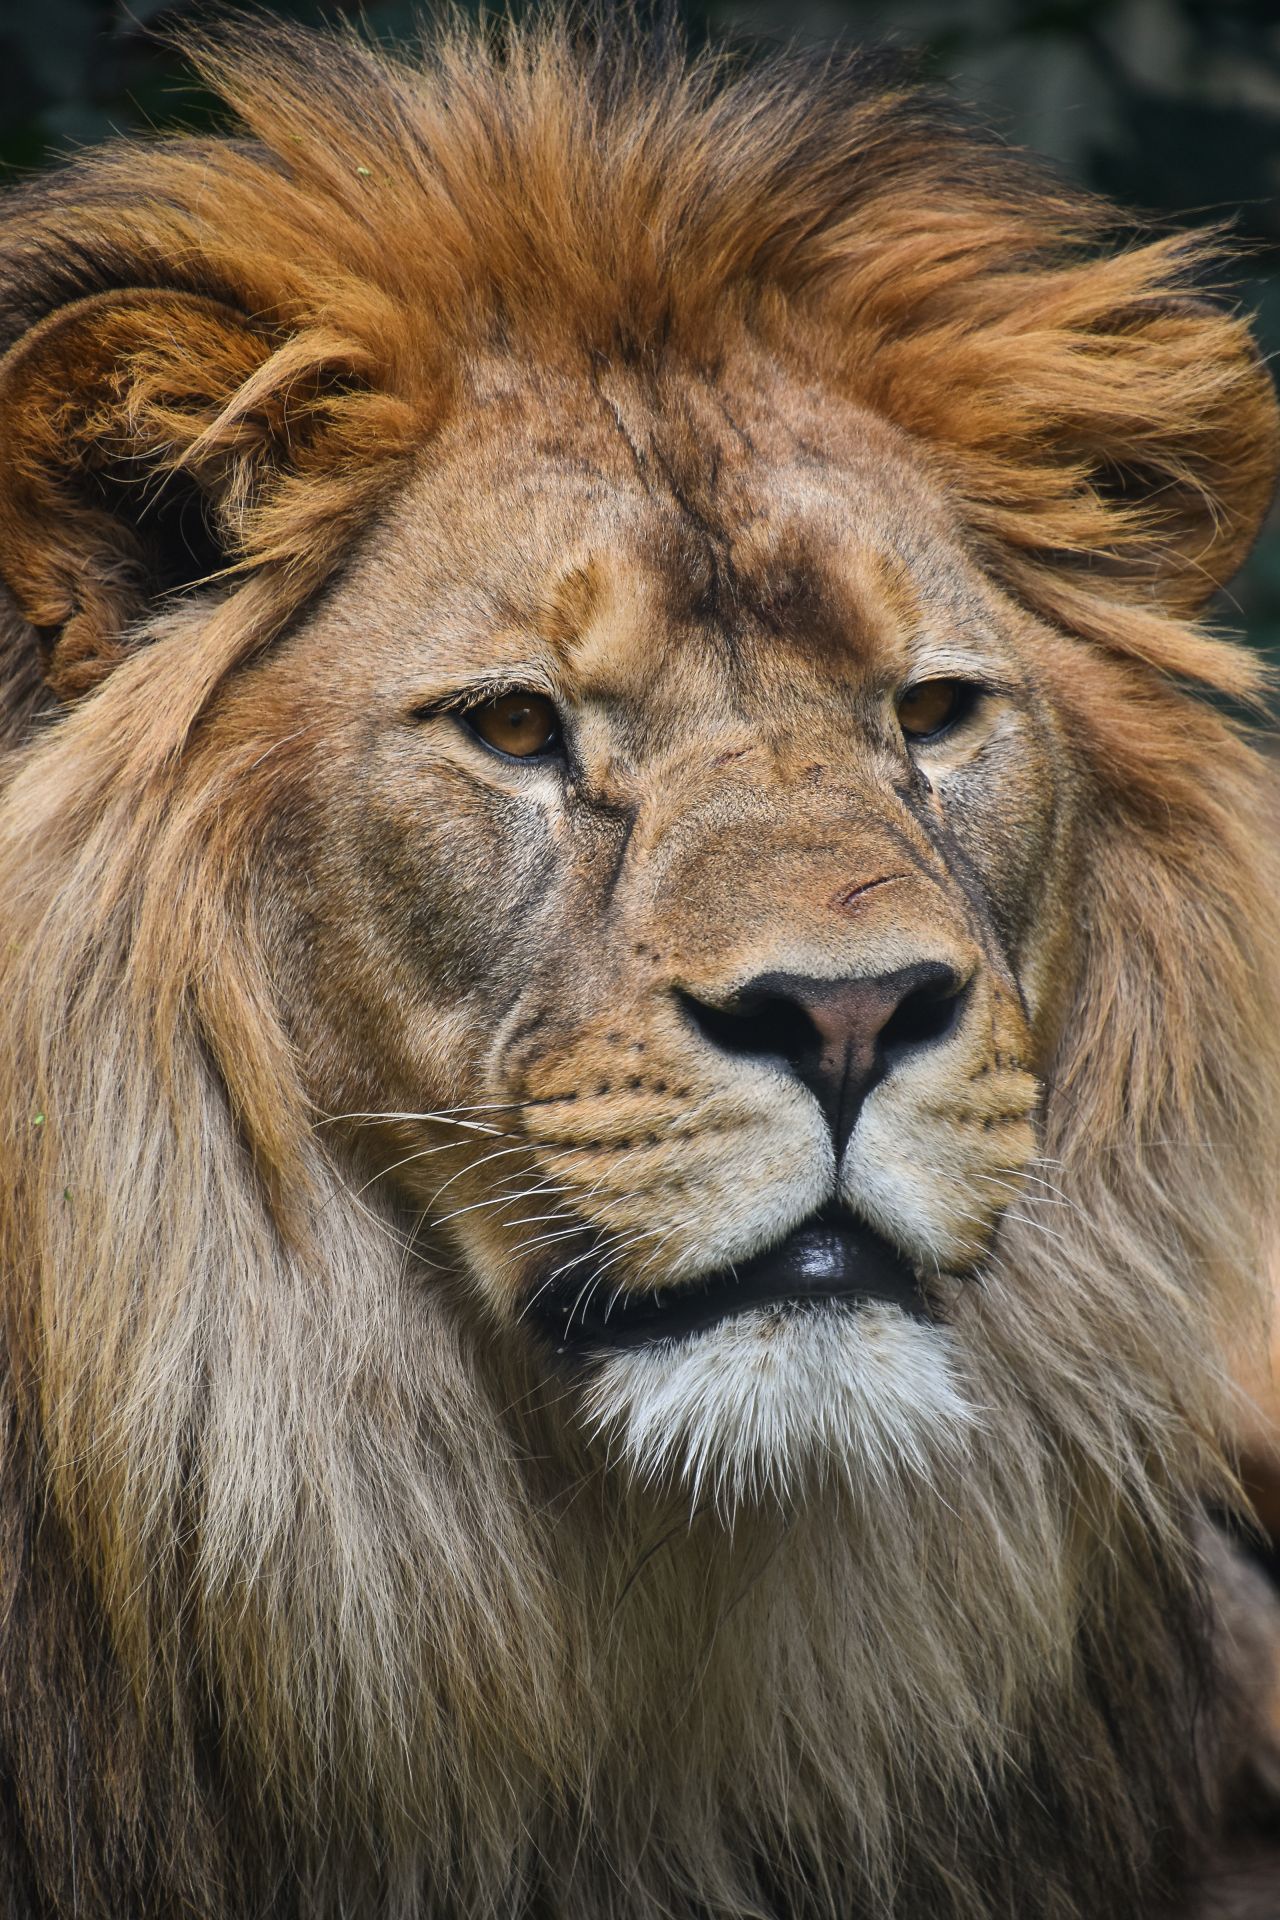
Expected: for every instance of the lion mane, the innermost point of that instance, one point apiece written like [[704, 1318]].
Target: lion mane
[[302, 1612]]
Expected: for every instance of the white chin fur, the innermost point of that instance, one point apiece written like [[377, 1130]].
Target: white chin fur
[[772, 1400]]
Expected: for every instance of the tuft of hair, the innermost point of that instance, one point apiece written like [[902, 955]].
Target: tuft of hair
[[773, 1404]]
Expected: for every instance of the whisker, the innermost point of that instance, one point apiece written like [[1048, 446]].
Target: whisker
[[473, 1166], [1036, 1226], [547, 1239], [445, 1115]]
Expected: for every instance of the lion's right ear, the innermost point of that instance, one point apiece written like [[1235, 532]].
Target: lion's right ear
[[134, 447]]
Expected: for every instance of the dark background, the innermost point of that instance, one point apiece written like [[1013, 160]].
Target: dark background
[[1172, 106]]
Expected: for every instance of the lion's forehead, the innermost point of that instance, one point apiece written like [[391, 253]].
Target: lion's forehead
[[694, 555]]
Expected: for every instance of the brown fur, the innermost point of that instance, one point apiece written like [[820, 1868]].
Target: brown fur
[[718, 403]]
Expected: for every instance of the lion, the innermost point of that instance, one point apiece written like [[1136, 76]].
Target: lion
[[640, 1034]]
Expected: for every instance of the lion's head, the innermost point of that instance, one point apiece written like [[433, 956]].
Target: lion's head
[[639, 1024]]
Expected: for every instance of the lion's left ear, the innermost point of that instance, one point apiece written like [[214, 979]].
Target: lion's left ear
[[1182, 434], [1114, 439], [127, 470]]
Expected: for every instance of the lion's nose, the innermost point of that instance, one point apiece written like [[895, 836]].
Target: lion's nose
[[840, 1037]]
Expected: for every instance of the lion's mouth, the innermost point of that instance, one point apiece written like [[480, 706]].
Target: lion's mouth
[[828, 1257]]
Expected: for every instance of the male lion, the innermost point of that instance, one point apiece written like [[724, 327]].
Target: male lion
[[640, 1038]]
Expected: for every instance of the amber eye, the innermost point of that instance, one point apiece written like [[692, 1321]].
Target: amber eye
[[932, 706], [521, 724]]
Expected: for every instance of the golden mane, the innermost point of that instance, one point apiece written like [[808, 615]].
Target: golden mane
[[279, 319], [1103, 427]]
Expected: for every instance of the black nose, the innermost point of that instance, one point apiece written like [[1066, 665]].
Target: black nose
[[840, 1037]]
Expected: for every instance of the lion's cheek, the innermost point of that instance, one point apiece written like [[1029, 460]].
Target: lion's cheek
[[416, 925]]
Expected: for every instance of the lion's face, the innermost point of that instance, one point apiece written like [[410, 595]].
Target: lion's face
[[679, 811]]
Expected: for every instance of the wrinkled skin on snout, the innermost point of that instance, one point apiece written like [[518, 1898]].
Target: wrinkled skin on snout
[[738, 947]]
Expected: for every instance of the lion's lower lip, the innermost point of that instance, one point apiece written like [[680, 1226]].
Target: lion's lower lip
[[830, 1257]]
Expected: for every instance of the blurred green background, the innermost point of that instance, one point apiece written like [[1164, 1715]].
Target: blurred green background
[[1170, 105]]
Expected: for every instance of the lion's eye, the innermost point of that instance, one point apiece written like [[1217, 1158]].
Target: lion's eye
[[523, 725], [934, 705]]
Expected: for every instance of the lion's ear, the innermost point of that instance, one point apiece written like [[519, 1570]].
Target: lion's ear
[[1115, 440], [127, 471], [1189, 457]]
